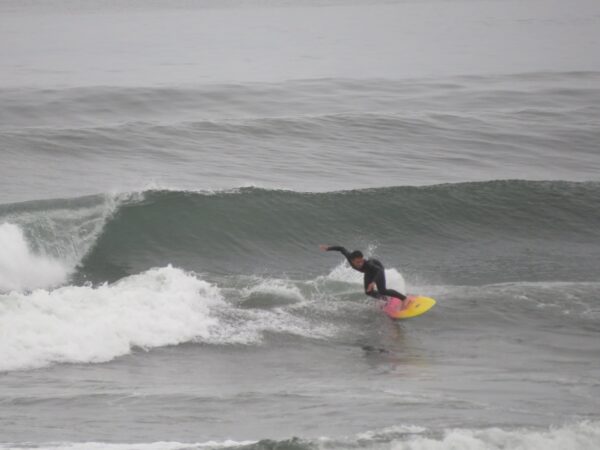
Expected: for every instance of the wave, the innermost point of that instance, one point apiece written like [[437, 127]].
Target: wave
[[478, 233], [577, 436], [245, 266]]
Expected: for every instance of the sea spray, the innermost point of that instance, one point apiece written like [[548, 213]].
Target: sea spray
[[21, 268], [44, 241]]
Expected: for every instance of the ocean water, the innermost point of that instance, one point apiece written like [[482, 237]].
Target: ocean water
[[169, 168]]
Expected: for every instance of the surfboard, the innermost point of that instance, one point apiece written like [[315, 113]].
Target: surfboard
[[418, 305]]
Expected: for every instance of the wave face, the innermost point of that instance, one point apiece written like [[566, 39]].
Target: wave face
[[469, 233]]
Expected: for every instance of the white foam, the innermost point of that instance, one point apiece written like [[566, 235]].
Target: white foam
[[580, 436], [159, 307], [20, 268]]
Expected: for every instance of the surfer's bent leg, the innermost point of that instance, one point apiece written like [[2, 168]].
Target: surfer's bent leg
[[367, 280], [381, 288]]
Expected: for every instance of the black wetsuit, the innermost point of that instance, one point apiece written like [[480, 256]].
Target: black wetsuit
[[374, 272]]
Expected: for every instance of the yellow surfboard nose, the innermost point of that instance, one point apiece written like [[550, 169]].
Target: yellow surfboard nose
[[418, 305]]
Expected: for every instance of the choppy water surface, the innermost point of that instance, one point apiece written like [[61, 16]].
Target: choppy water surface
[[167, 173]]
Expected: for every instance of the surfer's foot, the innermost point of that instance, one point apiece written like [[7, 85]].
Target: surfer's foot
[[405, 303]]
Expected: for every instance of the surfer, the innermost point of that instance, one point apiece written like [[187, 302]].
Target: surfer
[[374, 273]]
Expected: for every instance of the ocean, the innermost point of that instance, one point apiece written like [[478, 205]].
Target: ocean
[[168, 170]]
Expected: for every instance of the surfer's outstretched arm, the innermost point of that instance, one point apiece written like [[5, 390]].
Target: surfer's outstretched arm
[[336, 248]]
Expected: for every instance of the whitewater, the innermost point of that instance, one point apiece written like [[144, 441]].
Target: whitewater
[[168, 170]]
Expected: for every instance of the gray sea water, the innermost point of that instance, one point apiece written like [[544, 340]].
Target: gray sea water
[[168, 169]]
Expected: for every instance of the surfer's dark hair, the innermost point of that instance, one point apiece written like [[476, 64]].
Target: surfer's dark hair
[[356, 254]]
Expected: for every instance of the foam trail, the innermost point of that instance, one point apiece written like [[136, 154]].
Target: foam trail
[[20, 268], [163, 306]]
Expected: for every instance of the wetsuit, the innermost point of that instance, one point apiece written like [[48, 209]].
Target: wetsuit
[[374, 272]]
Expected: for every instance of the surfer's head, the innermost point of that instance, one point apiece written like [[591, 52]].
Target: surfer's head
[[357, 259]]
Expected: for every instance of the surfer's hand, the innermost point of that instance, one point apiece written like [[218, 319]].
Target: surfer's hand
[[370, 287], [323, 247]]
